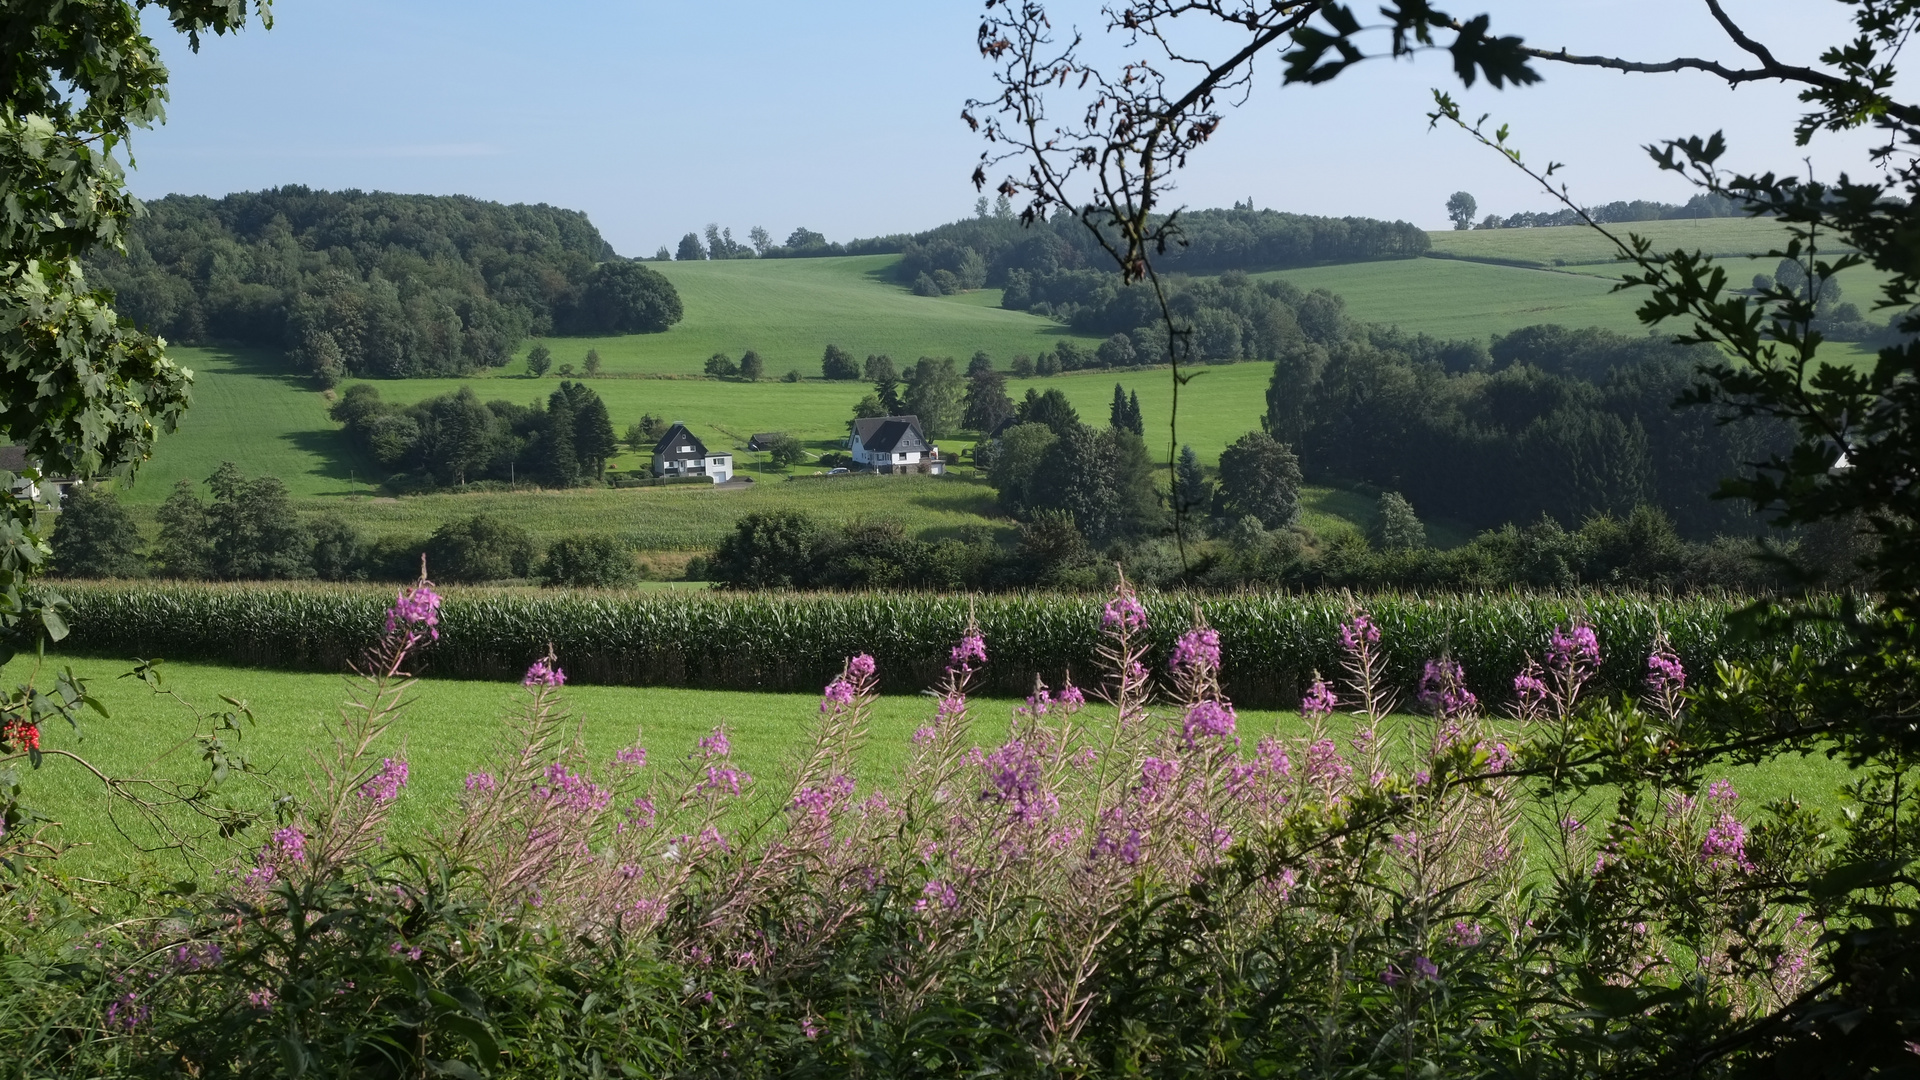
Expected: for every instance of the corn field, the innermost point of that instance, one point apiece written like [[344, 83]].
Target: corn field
[[1273, 643]]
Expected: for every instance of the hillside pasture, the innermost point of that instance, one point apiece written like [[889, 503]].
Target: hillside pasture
[[790, 310]]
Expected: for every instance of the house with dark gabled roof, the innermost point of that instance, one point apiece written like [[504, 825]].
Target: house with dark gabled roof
[[681, 453], [894, 444]]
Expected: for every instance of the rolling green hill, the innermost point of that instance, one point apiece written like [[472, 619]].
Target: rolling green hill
[[247, 410]]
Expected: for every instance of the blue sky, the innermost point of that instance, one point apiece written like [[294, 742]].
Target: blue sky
[[843, 115]]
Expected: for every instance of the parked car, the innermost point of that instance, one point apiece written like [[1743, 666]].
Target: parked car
[[836, 472]]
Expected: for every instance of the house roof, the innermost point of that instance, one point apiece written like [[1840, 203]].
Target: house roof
[[676, 437], [890, 434], [763, 439]]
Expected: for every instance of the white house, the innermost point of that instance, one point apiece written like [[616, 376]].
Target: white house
[[680, 453], [894, 444]]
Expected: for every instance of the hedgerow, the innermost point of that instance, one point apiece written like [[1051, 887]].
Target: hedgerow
[[1273, 643]]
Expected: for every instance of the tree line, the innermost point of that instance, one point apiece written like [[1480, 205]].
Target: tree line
[[373, 284], [247, 530], [1462, 206], [454, 439]]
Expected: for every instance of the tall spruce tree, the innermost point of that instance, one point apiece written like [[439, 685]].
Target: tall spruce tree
[[559, 460]]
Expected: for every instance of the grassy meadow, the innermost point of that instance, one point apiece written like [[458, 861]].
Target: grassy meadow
[[453, 727]]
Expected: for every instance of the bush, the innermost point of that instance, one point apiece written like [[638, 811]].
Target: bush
[[839, 365], [95, 537], [480, 548], [588, 561]]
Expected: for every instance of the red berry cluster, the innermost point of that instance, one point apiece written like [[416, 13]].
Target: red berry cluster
[[17, 734]]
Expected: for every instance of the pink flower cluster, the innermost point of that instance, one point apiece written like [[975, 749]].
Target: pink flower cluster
[[1529, 689], [862, 667], [1324, 763], [1319, 702], [481, 782], [715, 744], [1197, 651], [1443, 689], [1014, 771], [572, 791], [543, 674], [837, 695], [1359, 633], [937, 894], [1578, 646], [632, 756], [415, 613], [1664, 673], [1124, 612], [385, 785], [1207, 719], [971, 650], [821, 800]]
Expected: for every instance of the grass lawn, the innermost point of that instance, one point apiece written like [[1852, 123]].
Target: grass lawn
[[453, 727]]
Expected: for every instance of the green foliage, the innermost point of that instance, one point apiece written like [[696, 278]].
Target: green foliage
[[1274, 641], [1396, 527], [249, 531], [480, 548], [721, 366], [1260, 478], [592, 364], [752, 367], [1460, 209], [539, 360], [591, 560], [935, 395], [786, 450], [987, 405], [95, 537], [838, 364], [452, 439], [378, 284]]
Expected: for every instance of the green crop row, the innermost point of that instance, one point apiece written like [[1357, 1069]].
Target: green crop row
[[1273, 644]]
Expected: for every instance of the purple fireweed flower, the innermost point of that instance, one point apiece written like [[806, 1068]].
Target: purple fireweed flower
[[1721, 794], [1464, 934], [415, 613], [640, 813], [384, 785], [821, 800], [1126, 848], [1578, 646], [1572, 825], [400, 948], [1680, 804], [1156, 775], [1664, 673], [1124, 612], [1205, 719], [1283, 884], [971, 650], [635, 756], [810, 1029], [1324, 763], [544, 674], [1405, 845], [715, 745], [126, 1012], [572, 791], [194, 956], [922, 736], [937, 894], [286, 846], [1038, 703], [481, 782], [1422, 778], [261, 999], [1015, 772], [1072, 698], [1726, 844], [720, 778], [1529, 689], [1443, 689], [1499, 757], [1197, 651], [1359, 633], [1319, 702], [838, 695], [861, 666]]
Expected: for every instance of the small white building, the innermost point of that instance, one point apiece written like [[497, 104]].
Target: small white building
[[681, 453], [894, 444]]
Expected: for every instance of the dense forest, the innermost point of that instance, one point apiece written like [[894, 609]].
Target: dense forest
[[374, 284]]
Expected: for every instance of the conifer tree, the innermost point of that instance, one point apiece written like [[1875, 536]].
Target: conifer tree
[[559, 460]]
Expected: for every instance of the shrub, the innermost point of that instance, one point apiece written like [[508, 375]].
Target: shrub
[[480, 548], [95, 537], [588, 560]]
